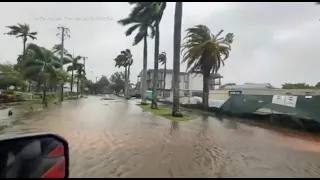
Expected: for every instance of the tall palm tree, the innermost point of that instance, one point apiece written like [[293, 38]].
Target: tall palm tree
[[154, 11], [124, 59], [176, 59], [128, 62], [22, 31], [205, 52], [163, 61], [44, 63], [80, 75], [73, 67], [143, 25]]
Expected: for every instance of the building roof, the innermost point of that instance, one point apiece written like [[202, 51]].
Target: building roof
[[250, 86]]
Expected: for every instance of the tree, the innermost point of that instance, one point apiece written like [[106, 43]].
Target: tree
[[62, 76], [57, 48], [154, 11], [176, 59], [45, 65], [296, 86], [9, 76], [205, 52], [102, 85], [117, 82], [80, 76], [22, 31], [163, 61], [73, 67], [143, 23], [124, 59]]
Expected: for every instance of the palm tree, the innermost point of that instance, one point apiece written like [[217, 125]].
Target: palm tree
[[128, 62], [57, 48], [80, 75], [205, 52], [176, 59], [143, 25], [124, 59], [153, 11], [22, 31], [44, 64], [163, 61], [73, 67]]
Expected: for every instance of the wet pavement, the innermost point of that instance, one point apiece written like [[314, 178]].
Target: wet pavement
[[115, 138]]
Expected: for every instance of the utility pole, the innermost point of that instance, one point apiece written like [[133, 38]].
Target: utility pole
[[64, 34], [84, 68]]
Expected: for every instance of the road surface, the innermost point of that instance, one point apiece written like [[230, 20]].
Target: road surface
[[115, 138]]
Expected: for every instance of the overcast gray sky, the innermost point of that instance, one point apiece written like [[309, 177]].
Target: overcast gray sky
[[274, 42]]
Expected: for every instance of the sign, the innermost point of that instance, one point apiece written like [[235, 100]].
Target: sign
[[235, 93], [290, 101], [278, 99]]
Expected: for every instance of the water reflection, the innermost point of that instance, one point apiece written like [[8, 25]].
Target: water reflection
[[174, 126], [231, 124]]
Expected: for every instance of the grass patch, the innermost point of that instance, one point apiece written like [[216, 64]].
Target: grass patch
[[164, 112]]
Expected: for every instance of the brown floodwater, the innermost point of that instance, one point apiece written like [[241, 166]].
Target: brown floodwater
[[115, 138]]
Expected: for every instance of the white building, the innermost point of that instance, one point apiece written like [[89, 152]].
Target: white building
[[190, 83]]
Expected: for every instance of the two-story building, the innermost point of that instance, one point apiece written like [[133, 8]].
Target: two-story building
[[191, 84]]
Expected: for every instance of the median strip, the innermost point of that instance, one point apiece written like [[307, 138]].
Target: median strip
[[163, 112]]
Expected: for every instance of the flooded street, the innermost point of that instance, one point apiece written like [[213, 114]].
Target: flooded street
[[117, 139]]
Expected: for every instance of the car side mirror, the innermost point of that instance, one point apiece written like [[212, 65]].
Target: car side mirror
[[37, 155]]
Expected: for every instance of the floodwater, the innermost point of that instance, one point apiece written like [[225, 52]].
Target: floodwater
[[115, 138]]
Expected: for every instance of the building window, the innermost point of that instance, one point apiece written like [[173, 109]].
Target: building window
[[186, 85]]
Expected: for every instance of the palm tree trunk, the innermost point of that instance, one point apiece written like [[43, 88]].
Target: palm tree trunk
[[205, 94], [71, 83], [24, 48], [128, 90], [144, 72], [154, 104], [176, 59], [24, 59], [125, 82], [78, 79], [164, 77]]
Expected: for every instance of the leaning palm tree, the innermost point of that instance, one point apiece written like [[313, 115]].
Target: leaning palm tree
[[124, 59], [73, 67], [22, 31], [142, 25], [205, 52], [154, 11], [176, 59], [57, 48], [44, 64], [163, 61]]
